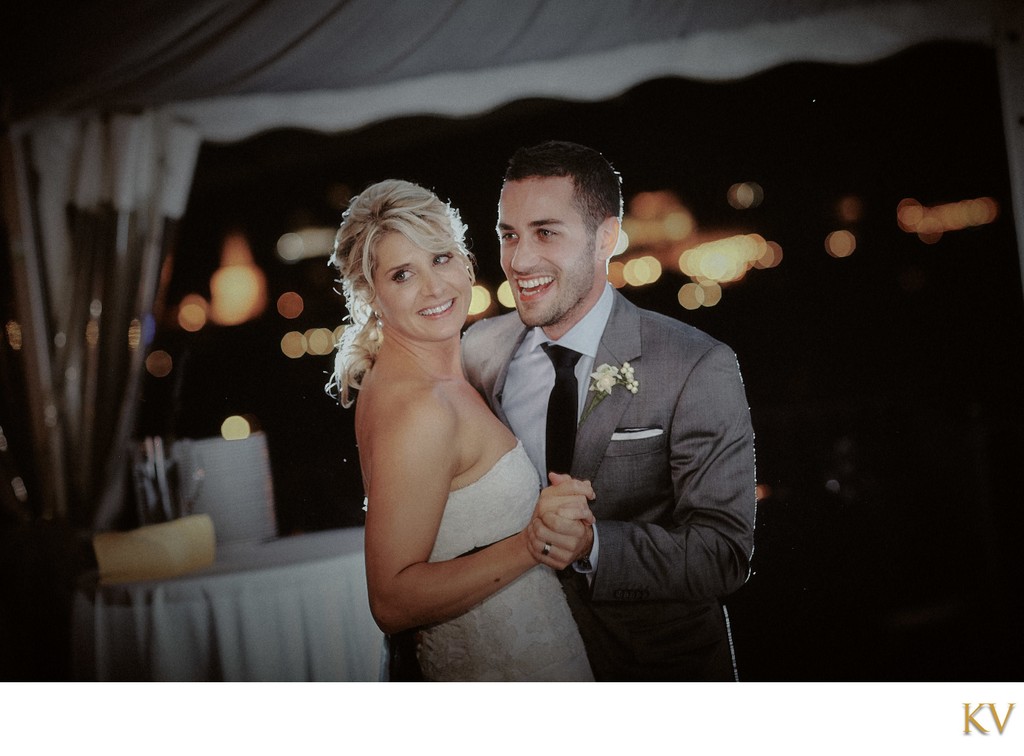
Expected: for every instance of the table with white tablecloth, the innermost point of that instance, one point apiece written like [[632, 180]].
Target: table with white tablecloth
[[290, 609]]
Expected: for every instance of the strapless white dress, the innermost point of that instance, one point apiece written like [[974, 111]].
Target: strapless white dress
[[523, 632]]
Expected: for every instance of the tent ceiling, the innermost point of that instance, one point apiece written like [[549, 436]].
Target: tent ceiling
[[237, 67]]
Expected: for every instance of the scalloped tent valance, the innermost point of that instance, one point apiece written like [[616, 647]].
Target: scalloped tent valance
[[233, 69]]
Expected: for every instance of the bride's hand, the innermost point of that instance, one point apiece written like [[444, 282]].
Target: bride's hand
[[566, 497], [560, 531]]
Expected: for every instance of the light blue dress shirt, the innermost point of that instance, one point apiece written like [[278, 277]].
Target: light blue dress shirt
[[531, 377]]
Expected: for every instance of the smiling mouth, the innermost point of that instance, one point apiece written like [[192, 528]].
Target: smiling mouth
[[533, 287], [441, 308]]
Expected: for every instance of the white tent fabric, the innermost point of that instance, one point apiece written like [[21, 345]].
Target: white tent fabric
[[224, 70], [853, 34], [234, 68]]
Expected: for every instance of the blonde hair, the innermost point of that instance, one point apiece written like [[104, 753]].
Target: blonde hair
[[391, 206]]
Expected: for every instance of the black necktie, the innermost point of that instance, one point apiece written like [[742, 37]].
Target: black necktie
[[561, 428]]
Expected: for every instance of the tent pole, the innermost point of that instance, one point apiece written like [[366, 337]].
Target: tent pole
[[29, 294], [1010, 60]]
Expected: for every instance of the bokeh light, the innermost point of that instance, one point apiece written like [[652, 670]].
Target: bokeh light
[[930, 223], [159, 363], [724, 260], [679, 224], [745, 195], [505, 296], [235, 428], [770, 256], [290, 305], [92, 332], [14, 337], [238, 288], [657, 218], [290, 247], [641, 271], [319, 341], [192, 313], [840, 243], [134, 334], [850, 209], [712, 293], [305, 243], [616, 273], [481, 300], [293, 344], [691, 296]]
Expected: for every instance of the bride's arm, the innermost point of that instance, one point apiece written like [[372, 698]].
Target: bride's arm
[[412, 455]]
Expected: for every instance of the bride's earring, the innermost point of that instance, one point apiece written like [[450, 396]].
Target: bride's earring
[[377, 315]]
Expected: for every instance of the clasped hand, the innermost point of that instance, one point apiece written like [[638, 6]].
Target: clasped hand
[[561, 530]]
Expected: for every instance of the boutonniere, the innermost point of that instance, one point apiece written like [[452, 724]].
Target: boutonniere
[[604, 379]]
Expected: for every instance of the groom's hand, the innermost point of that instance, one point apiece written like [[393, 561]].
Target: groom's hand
[[561, 530]]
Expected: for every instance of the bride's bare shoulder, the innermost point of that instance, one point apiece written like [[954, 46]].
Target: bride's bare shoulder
[[405, 411]]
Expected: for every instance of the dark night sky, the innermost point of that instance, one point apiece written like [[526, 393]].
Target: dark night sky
[[886, 371]]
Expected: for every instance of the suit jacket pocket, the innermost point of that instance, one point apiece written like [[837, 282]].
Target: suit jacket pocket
[[622, 446]]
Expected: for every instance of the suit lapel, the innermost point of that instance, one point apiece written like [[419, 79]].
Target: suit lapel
[[502, 356], [620, 343]]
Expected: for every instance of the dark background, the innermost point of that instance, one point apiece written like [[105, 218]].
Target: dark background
[[889, 372]]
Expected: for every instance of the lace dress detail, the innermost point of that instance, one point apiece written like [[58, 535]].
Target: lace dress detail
[[523, 632]]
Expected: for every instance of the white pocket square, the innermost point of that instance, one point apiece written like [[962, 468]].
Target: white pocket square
[[635, 434]]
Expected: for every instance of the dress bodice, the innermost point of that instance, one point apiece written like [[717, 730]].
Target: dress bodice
[[494, 506], [525, 631]]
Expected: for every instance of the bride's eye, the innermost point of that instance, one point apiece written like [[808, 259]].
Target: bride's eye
[[400, 275], [442, 258]]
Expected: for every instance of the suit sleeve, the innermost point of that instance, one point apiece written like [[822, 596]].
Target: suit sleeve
[[697, 542]]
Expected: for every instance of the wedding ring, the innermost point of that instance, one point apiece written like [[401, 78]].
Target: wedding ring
[[546, 550]]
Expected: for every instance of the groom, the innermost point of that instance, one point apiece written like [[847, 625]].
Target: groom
[[669, 447]]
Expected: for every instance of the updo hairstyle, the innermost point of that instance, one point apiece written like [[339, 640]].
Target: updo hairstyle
[[392, 206]]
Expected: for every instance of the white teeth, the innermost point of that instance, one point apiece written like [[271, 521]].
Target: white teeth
[[533, 283], [439, 309]]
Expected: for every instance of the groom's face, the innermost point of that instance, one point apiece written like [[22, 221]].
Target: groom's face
[[554, 264]]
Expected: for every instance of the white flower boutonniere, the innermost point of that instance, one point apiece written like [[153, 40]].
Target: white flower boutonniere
[[604, 379]]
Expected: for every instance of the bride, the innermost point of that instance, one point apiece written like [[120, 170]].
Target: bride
[[455, 545]]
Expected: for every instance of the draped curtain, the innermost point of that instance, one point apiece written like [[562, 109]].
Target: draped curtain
[[99, 201]]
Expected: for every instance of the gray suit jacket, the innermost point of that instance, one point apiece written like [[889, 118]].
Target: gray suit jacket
[[675, 510]]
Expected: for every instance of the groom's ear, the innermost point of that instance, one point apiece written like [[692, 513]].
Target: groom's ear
[[607, 238]]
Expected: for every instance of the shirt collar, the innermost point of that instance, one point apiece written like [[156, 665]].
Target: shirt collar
[[585, 336]]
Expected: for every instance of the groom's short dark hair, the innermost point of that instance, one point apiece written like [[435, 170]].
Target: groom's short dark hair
[[597, 185]]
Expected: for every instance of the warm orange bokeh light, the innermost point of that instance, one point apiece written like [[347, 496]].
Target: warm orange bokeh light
[[930, 223], [290, 305], [14, 337], [238, 287], [293, 345], [840, 243], [159, 364], [192, 313]]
